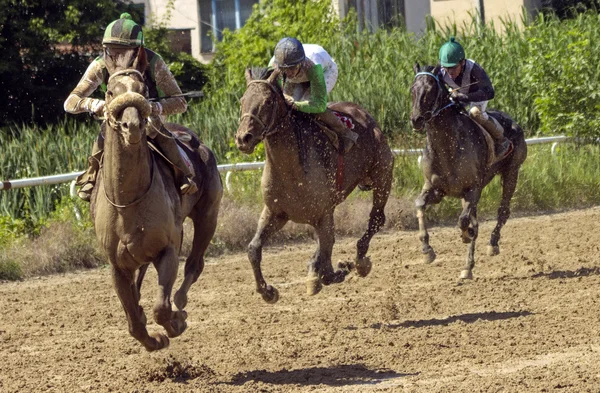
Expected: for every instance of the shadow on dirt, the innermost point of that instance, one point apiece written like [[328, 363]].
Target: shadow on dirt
[[466, 318], [352, 374], [581, 272]]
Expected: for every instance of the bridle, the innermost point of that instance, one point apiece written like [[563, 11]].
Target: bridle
[[267, 130], [112, 122], [434, 111]]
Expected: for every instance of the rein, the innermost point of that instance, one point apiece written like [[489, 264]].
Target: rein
[[153, 176], [435, 111], [266, 129]]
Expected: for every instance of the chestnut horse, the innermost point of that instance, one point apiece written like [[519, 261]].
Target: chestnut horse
[[138, 211], [305, 177]]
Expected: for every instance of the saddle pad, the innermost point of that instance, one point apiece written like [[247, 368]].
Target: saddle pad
[[347, 120]]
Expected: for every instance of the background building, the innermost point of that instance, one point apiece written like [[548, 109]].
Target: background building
[[193, 23]]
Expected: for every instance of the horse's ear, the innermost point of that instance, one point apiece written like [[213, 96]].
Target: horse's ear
[[416, 67], [248, 75], [436, 70], [274, 75], [141, 60]]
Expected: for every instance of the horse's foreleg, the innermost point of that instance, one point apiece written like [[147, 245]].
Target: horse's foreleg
[[381, 193], [469, 227], [320, 269], [427, 196], [205, 224], [129, 297], [166, 268], [509, 184], [268, 224]]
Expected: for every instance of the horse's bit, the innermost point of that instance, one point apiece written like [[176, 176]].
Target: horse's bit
[[434, 112], [266, 129]]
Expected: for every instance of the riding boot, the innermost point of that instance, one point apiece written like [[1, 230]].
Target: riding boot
[[166, 142], [494, 128], [87, 180], [346, 136]]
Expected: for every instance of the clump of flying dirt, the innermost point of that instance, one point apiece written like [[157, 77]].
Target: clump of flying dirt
[[179, 370]]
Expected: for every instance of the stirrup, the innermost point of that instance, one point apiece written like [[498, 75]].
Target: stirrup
[[85, 192], [188, 187]]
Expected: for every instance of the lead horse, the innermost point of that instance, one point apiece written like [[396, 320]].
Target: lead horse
[[138, 212], [455, 162], [305, 177]]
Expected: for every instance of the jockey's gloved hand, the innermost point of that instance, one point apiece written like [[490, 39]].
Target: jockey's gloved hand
[[96, 107], [289, 100], [457, 96]]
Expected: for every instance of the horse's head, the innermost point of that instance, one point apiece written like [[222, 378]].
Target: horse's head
[[427, 95], [126, 105], [260, 108]]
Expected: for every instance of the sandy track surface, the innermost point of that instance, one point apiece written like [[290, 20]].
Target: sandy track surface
[[528, 322]]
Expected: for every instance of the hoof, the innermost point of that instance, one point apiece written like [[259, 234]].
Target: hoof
[[363, 266], [177, 325], [313, 285], [157, 341], [466, 275], [429, 256], [180, 299], [493, 250], [270, 295]]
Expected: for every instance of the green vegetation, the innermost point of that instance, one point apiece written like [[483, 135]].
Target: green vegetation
[[545, 76]]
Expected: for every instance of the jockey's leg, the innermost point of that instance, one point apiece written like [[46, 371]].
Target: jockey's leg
[[87, 180], [494, 128], [347, 137], [166, 142]]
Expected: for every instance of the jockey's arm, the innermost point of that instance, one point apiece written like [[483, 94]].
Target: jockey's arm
[[318, 92], [483, 89], [167, 86], [79, 100]]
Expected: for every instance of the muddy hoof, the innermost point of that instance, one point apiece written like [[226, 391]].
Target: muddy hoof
[[466, 275], [363, 266], [157, 341], [429, 256], [313, 285], [180, 299], [493, 250], [271, 295]]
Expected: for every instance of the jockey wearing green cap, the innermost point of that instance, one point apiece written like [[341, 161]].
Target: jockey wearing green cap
[[471, 85], [309, 74], [122, 37]]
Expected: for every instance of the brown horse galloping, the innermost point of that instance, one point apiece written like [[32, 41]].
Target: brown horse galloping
[[304, 178], [138, 212], [455, 162]]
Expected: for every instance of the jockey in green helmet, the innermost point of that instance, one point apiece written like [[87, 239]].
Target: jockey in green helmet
[[309, 74], [123, 37], [471, 85]]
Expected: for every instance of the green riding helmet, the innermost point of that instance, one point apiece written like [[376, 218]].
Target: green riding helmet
[[124, 31], [288, 52], [451, 53]]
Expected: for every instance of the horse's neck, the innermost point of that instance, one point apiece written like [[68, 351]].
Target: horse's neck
[[442, 135], [283, 152], [126, 170]]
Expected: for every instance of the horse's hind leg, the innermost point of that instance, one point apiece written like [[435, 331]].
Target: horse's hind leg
[[469, 227], [268, 224], [173, 321], [509, 184], [320, 269], [381, 192], [427, 196], [205, 224], [129, 297]]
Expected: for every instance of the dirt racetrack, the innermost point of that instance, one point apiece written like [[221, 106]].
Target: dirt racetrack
[[528, 322]]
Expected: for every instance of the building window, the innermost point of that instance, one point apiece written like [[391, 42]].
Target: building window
[[373, 14], [180, 40], [217, 15]]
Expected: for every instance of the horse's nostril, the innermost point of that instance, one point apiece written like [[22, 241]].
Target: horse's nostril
[[247, 138]]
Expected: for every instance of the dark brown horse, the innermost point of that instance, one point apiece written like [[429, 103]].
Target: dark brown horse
[[305, 178], [455, 161], [138, 212]]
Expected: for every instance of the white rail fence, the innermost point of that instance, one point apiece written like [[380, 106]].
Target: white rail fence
[[228, 168]]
